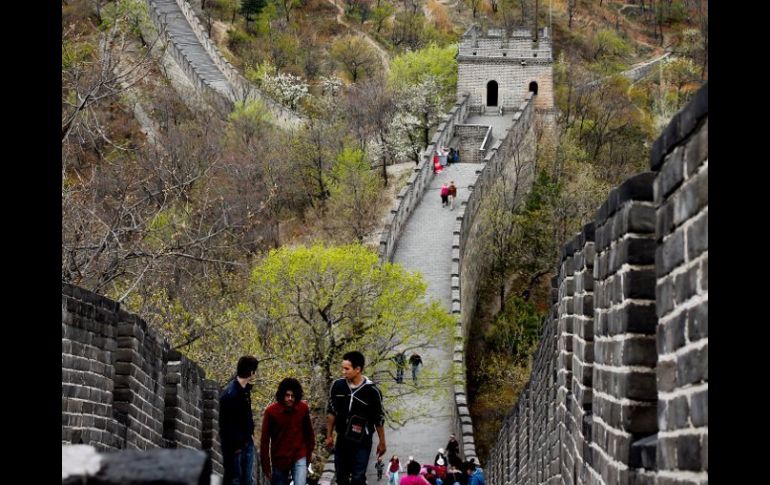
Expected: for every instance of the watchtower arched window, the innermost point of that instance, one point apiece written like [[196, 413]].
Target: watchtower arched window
[[533, 87], [492, 93]]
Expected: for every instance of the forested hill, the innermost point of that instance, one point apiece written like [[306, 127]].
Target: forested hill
[[170, 207]]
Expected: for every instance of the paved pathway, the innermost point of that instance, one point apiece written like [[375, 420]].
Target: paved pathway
[[185, 40], [425, 245]]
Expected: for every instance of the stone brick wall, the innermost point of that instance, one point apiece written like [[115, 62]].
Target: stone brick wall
[[513, 62], [624, 396], [619, 388], [474, 140], [681, 287], [123, 388], [512, 78], [183, 424], [241, 88], [465, 272], [88, 345]]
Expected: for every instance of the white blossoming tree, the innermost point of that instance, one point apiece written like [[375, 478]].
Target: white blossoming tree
[[287, 89]]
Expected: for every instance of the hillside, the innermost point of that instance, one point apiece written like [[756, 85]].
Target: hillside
[[168, 205]]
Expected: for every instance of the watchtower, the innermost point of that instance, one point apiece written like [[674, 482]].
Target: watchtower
[[497, 69]]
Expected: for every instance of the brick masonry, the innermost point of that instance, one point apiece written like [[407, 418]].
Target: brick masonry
[[124, 388], [215, 79], [474, 140], [619, 387], [513, 62]]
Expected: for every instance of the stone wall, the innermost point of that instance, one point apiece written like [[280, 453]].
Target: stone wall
[[123, 388], [222, 98], [474, 140], [680, 156], [619, 388], [512, 78], [465, 253], [513, 61]]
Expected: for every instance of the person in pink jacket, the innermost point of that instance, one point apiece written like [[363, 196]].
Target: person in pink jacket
[[444, 195], [413, 476]]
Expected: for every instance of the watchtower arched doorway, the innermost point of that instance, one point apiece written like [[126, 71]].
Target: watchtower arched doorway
[[533, 87], [492, 93]]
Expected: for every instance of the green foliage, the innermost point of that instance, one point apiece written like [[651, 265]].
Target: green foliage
[[515, 330], [354, 190], [238, 40], [433, 35], [263, 69], [356, 56], [166, 227], [248, 118], [683, 75], [671, 12], [411, 68], [252, 8], [76, 52], [517, 236], [312, 304], [130, 15], [285, 50], [608, 51], [381, 14]]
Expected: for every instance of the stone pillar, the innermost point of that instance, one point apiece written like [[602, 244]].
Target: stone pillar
[[183, 423], [681, 195], [583, 345], [88, 343], [139, 382], [625, 396]]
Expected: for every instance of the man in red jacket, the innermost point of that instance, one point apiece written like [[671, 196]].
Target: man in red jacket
[[288, 439]]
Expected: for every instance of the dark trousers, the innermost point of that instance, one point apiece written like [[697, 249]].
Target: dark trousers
[[239, 467], [350, 461]]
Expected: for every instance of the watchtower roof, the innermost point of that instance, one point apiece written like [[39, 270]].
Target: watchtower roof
[[494, 44]]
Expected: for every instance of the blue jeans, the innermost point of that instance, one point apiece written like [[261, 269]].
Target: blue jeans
[[239, 467], [350, 461], [298, 474], [415, 368]]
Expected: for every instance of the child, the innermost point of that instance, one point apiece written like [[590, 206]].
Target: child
[[379, 466]]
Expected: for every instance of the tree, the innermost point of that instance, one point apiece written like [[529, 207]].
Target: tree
[[354, 194], [474, 5], [682, 74], [425, 102], [370, 108], [148, 214], [408, 25], [287, 6], [356, 56], [285, 88], [571, 10], [252, 8], [312, 153], [93, 72], [411, 68], [516, 329], [312, 304], [381, 14]]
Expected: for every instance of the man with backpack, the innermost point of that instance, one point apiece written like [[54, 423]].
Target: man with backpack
[[354, 412]]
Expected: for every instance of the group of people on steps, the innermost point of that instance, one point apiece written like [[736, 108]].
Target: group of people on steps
[[354, 414]]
